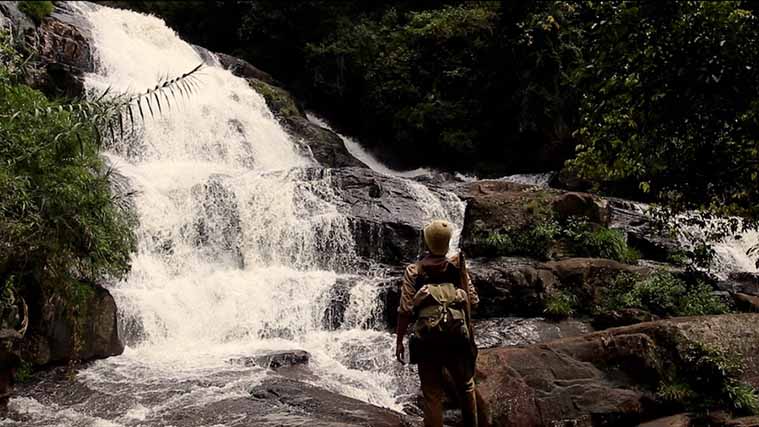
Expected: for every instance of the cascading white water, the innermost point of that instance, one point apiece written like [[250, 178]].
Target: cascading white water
[[239, 246], [365, 157]]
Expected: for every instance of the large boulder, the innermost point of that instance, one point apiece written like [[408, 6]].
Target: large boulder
[[322, 144], [604, 378], [511, 286], [63, 330], [584, 277]]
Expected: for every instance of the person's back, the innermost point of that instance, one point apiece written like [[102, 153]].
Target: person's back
[[432, 295]]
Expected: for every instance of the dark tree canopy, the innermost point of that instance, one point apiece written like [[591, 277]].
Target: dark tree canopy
[[646, 99]]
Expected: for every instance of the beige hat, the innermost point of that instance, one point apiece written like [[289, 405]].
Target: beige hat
[[437, 236]]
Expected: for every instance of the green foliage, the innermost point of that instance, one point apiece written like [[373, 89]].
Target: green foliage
[[705, 377], [670, 110], [560, 305], [37, 10], [58, 220], [422, 78], [24, 372], [590, 240], [9, 310], [662, 294], [533, 240], [675, 392]]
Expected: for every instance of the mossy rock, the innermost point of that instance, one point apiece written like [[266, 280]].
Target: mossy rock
[[280, 102]]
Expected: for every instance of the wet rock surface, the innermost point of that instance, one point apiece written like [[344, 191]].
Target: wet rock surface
[[275, 360], [58, 334], [745, 283], [275, 401], [305, 404], [244, 69], [513, 331], [217, 221]]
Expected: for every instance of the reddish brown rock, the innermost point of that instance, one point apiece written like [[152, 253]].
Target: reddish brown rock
[[604, 378], [743, 422], [745, 302], [581, 205], [680, 420]]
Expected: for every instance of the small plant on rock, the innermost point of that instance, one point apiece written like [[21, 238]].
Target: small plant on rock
[[37, 10], [560, 305], [592, 240], [24, 372]]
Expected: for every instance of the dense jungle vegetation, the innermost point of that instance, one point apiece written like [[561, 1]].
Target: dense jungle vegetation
[[650, 100], [58, 220]]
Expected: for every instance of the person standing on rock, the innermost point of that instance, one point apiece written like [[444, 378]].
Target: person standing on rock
[[438, 295]]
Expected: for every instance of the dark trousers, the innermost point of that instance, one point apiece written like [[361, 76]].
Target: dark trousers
[[458, 363]]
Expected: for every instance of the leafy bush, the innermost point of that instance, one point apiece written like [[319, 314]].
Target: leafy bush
[[58, 219], [422, 77], [533, 240], [662, 294], [704, 377], [560, 305], [37, 10], [590, 240], [671, 108]]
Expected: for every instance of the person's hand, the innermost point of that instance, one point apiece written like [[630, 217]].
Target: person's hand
[[421, 295], [400, 351]]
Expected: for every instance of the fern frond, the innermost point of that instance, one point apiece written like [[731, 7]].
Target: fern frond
[[107, 108]]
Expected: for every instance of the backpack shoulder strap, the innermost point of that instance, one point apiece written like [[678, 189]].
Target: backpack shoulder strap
[[420, 279]]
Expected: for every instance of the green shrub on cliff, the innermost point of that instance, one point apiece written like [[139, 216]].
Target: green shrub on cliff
[[533, 240], [58, 219], [589, 240], [37, 10]]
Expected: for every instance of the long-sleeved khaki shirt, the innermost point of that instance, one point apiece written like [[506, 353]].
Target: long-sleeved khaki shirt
[[408, 289]]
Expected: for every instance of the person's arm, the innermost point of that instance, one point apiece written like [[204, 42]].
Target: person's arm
[[405, 310]]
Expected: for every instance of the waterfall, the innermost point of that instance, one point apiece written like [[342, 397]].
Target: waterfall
[[239, 246]]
